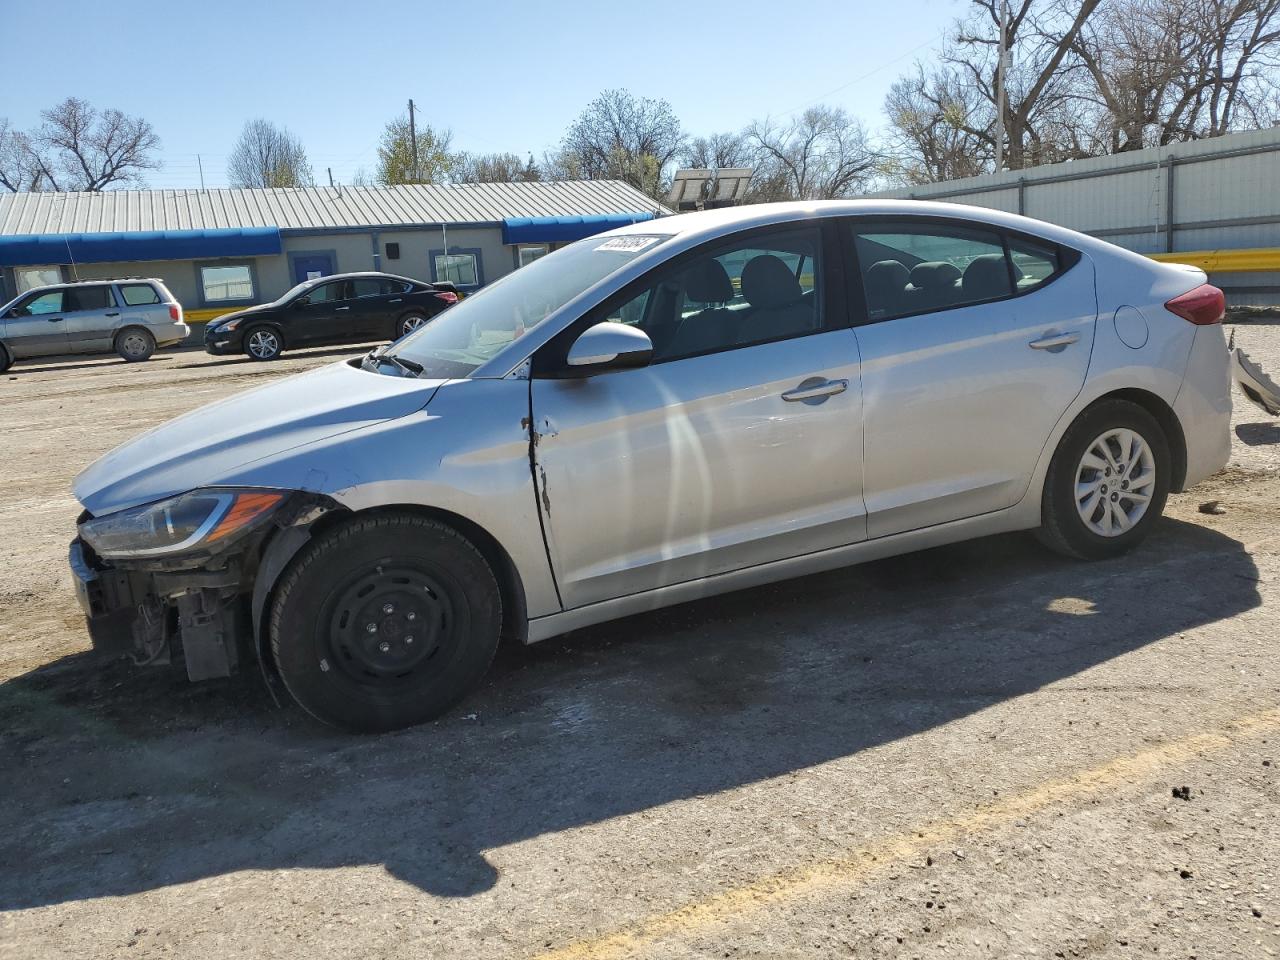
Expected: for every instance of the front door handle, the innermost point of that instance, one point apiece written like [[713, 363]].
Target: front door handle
[[116, 314], [336, 309], [396, 300], [815, 389], [1054, 342], [55, 319]]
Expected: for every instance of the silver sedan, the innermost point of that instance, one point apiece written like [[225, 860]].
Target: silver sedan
[[671, 410]]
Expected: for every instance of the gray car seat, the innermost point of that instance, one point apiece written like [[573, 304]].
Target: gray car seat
[[778, 307], [707, 283]]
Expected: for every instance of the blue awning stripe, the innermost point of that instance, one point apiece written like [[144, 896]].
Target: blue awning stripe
[[29, 250], [564, 229]]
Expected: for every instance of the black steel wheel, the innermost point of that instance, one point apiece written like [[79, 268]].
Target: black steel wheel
[[384, 622]]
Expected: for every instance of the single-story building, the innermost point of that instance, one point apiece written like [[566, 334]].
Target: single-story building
[[219, 250]]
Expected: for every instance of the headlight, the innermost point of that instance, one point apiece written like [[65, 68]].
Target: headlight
[[229, 325], [180, 524]]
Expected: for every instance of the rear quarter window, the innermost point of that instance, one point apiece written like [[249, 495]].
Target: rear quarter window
[[139, 294]]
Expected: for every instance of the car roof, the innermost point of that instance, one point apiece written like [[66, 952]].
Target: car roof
[[691, 228], [364, 273], [97, 281]]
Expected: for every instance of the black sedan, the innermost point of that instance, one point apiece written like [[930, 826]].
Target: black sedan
[[345, 308]]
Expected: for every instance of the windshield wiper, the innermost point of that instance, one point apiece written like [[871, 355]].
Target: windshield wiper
[[376, 358]]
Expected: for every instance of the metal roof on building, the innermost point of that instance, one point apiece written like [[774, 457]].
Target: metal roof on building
[[314, 208]]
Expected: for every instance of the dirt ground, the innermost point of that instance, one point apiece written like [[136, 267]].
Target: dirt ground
[[976, 751]]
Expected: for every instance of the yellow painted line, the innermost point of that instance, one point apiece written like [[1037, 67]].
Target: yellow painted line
[[205, 315], [1225, 261], [894, 850]]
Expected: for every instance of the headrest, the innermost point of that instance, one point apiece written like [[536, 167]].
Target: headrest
[[707, 282], [934, 275], [768, 282], [987, 276], [888, 275]]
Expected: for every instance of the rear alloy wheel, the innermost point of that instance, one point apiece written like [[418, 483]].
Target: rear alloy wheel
[[263, 343], [135, 344], [1107, 483], [411, 323], [385, 622]]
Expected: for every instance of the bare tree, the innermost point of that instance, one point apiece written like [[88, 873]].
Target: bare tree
[[821, 155], [77, 147], [19, 170], [939, 128], [1170, 70], [494, 168], [435, 160], [622, 137], [718, 151], [268, 156]]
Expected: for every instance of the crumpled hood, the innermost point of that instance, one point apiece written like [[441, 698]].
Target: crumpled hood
[[204, 446]]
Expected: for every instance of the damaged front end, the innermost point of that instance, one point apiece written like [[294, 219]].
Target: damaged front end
[[177, 577]]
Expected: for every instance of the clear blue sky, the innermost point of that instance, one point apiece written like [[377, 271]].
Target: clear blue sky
[[502, 76]]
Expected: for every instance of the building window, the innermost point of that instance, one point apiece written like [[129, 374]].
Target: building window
[[224, 283], [527, 254], [462, 266], [28, 278]]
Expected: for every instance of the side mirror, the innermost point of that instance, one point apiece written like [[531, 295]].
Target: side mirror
[[608, 346]]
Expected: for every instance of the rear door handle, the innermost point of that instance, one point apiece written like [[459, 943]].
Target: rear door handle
[[816, 389], [55, 319], [1054, 341], [396, 300], [336, 309], [116, 314]]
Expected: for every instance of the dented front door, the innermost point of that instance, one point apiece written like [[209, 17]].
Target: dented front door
[[699, 466]]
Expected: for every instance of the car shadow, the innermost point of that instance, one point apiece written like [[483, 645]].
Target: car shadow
[[101, 363], [124, 780]]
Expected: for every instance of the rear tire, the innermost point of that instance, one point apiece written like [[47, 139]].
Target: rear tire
[[6, 358], [135, 344], [263, 343], [407, 324], [432, 603], [1107, 483]]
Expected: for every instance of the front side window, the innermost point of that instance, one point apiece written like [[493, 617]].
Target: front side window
[[325, 293], [918, 268], [88, 298], [42, 303], [754, 292], [139, 294], [459, 268], [223, 283], [473, 331]]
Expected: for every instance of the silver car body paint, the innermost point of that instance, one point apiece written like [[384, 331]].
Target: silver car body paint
[[640, 488]]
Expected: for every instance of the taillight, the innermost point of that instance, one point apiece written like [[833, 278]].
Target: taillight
[[1203, 305], [446, 296], [175, 313]]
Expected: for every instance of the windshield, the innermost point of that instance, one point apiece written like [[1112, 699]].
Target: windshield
[[472, 332], [294, 291]]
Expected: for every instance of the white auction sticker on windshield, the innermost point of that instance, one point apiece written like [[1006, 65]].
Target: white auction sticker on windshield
[[628, 244]]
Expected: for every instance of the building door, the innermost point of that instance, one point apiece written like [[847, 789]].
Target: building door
[[311, 266]]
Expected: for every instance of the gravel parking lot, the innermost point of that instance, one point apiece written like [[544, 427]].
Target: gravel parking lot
[[979, 750]]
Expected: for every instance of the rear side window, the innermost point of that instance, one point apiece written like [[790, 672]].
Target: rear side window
[[139, 294], [370, 287], [88, 298], [919, 268], [1033, 262]]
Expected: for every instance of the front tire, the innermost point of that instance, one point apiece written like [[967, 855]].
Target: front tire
[[1107, 483], [263, 343], [134, 344], [385, 622]]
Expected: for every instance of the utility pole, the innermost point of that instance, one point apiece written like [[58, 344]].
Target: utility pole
[[200, 164], [1000, 82], [413, 139]]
